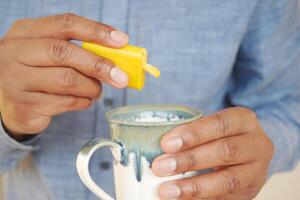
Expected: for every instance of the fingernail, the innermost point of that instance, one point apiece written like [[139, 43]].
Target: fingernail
[[166, 166], [174, 144], [118, 37], [118, 76], [171, 191]]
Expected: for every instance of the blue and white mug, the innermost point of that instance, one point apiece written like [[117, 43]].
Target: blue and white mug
[[135, 142]]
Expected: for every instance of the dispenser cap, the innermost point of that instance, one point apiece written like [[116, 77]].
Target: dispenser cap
[[131, 59]]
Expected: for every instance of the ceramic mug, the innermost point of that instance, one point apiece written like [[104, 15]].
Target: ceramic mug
[[136, 132]]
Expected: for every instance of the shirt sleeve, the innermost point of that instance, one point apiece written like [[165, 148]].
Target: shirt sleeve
[[266, 76], [12, 151]]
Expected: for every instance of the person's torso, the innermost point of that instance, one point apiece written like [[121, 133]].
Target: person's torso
[[194, 44]]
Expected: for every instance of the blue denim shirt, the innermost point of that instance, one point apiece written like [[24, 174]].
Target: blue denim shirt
[[212, 54]]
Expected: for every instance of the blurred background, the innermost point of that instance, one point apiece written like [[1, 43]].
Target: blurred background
[[283, 186]]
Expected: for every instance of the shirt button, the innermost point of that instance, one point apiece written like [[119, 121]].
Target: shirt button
[[108, 102], [105, 165]]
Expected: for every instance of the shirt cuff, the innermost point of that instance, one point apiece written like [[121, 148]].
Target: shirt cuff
[[285, 141], [11, 151]]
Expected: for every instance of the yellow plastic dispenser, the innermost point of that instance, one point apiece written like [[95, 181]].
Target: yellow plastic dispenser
[[131, 59]]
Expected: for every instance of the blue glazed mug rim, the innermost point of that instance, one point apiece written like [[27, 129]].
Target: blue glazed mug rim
[[150, 107]]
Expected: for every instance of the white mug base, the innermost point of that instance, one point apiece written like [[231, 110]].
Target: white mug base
[[128, 187]]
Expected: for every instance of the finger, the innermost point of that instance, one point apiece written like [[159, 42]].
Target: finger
[[44, 52], [50, 105], [225, 197], [223, 152], [210, 185], [61, 80], [248, 193], [226, 123], [38, 108], [68, 26], [235, 196]]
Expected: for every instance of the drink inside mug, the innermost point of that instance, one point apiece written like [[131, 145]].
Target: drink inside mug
[[136, 132], [151, 116]]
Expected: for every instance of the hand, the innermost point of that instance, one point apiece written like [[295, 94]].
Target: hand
[[43, 74], [230, 142]]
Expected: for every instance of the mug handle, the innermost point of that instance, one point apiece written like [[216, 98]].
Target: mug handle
[[84, 156]]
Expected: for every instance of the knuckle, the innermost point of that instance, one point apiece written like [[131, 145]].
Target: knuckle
[[88, 104], [251, 115], [221, 198], [251, 192], [61, 50], [247, 112], [68, 78], [231, 183], [222, 127], [67, 20], [193, 136], [94, 93], [196, 190], [18, 23], [103, 31], [35, 124], [191, 160], [228, 151], [97, 92], [97, 65], [72, 101]]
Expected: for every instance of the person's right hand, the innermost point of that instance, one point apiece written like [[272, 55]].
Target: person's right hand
[[43, 74]]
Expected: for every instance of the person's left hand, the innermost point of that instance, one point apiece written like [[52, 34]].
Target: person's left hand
[[231, 142]]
